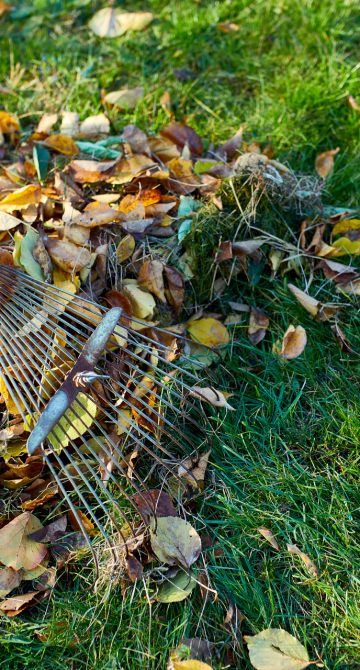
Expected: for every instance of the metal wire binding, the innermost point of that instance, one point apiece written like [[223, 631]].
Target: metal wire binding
[[54, 346]]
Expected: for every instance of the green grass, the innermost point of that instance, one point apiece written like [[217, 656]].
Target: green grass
[[288, 457]]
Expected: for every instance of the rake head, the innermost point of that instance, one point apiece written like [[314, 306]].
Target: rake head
[[93, 386]]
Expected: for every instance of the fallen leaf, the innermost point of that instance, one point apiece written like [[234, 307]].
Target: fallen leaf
[[211, 395], [344, 246], [176, 588], [46, 122], [174, 287], [27, 260], [310, 565], [341, 274], [341, 338], [345, 225], [320, 311], [293, 343], [91, 172], [51, 532], [70, 123], [193, 469], [7, 221], [95, 125], [269, 536], [258, 325], [174, 541], [8, 123], [14, 606], [190, 664], [97, 214], [142, 303], [208, 331], [324, 162], [110, 22], [17, 550], [150, 277], [182, 178], [23, 197], [153, 503], [353, 103], [68, 256], [276, 649], [230, 149], [125, 248], [125, 98], [63, 144], [9, 580], [87, 524], [183, 135], [134, 568], [228, 27]]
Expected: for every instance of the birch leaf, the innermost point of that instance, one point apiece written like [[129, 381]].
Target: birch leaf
[[17, 550], [174, 541], [276, 649]]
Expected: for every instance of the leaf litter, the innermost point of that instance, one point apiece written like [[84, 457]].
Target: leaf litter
[[146, 196]]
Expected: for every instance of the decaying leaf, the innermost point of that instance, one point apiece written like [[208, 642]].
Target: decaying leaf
[[142, 303], [310, 565], [9, 580], [112, 22], [68, 256], [154, 503], [14, 606], [151, 278], [276, 649], [325, 162], [320, 311], [193, 470], [269, 536], [208, 331], [7, 221], [125, 248], [176, 588], [174, 541], [189, 664], [258, 325], [341, 274], [63, 144], [212, 396], [21, 198], [17, 550], [293, 342]]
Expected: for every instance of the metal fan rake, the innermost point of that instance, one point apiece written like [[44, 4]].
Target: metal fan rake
[[90, 384]]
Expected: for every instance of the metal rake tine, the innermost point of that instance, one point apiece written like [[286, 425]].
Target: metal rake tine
[[94, 436]]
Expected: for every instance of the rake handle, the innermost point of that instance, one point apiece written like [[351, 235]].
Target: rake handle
[[61, 401]]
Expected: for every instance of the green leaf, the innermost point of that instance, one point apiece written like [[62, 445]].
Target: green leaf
[[176, 589], [27, 260], [98, 150], [184, 229], [41, 158]]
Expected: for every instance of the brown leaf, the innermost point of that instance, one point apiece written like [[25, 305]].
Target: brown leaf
[[46, 122], [269, 536], [68, 256], [229, 149], [193, 470], [182, 178], [97, 214], [90, 172], [258, 325], [52, 532], [341, 274], [13, 606], [342, 339], [87, 524], [95, 125], [228, 27], [324, 162], [151, 278], [17, 550], [174, 289], [293, 343], [136, 139], [154, 503], [211, 395], [125, 248], [134, 568], [181, 135], [294, 549], [320, 311], [9, 580]]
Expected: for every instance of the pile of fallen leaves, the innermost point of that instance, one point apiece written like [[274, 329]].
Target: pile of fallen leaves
[[107, 216]]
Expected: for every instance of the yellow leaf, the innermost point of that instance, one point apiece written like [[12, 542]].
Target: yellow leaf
[[345, 225], [345, 246], [8, 123], [11, 405], [190, 664], [208, 331], [124, 421], [68, 256], [125, 248], [17, 550], [21, 198], [64, 144], [143, 303]]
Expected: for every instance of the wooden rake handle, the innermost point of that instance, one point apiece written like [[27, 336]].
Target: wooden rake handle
[[69, 389]]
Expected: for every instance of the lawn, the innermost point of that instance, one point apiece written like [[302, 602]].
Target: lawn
[[287, 458]]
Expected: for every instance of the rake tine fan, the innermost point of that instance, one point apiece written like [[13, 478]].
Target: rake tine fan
[[92, 385]]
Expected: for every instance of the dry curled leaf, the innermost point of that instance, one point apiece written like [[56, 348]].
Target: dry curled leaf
[[269, 536], [212, 396], [324, 162], [14, 606], [174, 541], [276, 649], [293, 342], [310, 565], [193, 469], [320, 311]]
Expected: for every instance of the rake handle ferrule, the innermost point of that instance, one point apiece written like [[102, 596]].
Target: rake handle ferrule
[[68, 390]]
